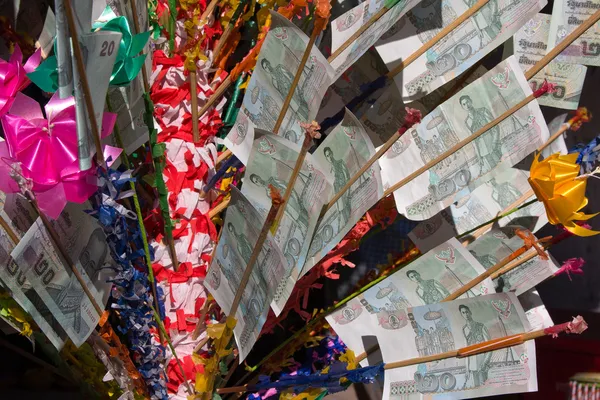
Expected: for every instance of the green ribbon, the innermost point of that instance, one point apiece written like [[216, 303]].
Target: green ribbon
[[45, 75], [129, 61], [232, 110], [158, 156], [172, 22]]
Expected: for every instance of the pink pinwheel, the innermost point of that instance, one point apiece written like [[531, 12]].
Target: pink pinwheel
[[13, 76], [44, 151]]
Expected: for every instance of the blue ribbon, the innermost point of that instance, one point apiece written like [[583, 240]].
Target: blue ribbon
[[232, 162], [587, 156]]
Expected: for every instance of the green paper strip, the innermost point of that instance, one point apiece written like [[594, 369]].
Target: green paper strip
[[232, 109], [45, 75], [390, 3], [158, 154]]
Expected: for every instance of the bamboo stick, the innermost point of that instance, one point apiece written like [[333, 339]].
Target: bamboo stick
[[208, 11], [292, 181], [194, 96], [276, 202], [216, 95], [9, 231], [136, 26], [87, 94], [576, 326], [288, 99]]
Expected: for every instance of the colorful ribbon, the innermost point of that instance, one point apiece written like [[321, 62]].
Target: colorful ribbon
[[129, 61], [13, 76], [44, 152], [556, 183]]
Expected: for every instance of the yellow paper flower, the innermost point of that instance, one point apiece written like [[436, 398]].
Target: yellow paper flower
[[556, 183]]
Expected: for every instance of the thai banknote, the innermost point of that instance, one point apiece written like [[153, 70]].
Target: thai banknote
[[277, 64], [55, 283], [271, 163], [240, 232], [530, 44], [427, 280], [20, 216], [491, 26], [429, 330], [62, 49], [500, 243], [386, 115], [341, 155], [99, 54], [507, 190], [453, 121], [567, 15], [344, 26]]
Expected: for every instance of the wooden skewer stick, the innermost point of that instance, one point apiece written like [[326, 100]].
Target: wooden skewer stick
[[356, 34], [87, 94], [578, 325], [209, 10], [136, 26], [288, 99], [493, 344], [9, 231], [460, 144], [276, 202], [63, 252], [292, 181], [491, 271], [194, 96], [216, 95], [223, 156]]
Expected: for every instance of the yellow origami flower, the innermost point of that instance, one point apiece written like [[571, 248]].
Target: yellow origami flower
[[556, 183]]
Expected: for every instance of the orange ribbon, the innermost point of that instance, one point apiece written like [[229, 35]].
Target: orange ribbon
[[556, 183]]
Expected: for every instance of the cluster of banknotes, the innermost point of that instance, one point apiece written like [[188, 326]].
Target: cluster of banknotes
[[481, 168], [410, 307], [40, 281]]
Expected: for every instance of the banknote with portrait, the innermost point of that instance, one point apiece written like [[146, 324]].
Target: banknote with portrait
[[428, 280], [55, 283], [19, 215], [342, 154], [463, 115], [430, 330], [271, 81], [457, 51], [241, 229]]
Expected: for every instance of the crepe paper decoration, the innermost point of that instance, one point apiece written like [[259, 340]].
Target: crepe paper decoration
[[129, 61], [556, 183], [94, 372], [44, 152], [571, 266], [10, 310], [293, 9], [13, 76], [332, 380], [587, 154], [221, 335], [132, 288]]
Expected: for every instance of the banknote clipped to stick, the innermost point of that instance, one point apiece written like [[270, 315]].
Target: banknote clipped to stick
[[462, 115], [491, 26], [530, 44]]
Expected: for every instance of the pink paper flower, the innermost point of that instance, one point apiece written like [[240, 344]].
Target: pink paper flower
[[13, 76], [46, 152]]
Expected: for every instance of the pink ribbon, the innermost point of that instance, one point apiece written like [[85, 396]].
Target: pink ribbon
[[571, 266], [46, 150], [13, 76]]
